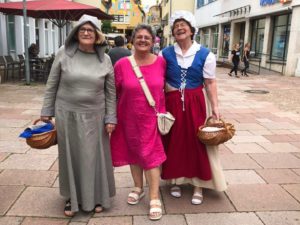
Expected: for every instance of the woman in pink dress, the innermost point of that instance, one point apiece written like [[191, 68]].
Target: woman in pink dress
[[136, 140]]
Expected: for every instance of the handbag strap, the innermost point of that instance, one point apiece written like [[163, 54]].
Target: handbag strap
[[142, 81]]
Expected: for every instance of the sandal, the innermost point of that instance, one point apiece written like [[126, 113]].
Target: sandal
[[98, 208], [155, 209], [68, 210], [197, 198], [175, 191], [135, 195]]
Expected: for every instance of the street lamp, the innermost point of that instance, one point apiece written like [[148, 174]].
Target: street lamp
[[26, 63]]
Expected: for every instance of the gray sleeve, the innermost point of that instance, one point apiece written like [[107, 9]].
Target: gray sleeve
[[48, 108], [110, 96]]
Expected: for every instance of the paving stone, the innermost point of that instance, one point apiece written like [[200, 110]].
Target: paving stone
[[122, 220], [246, 148], [77, 223], [279, 126], [223, 219], [44, 221], [13, 123], [276, 160], [243, 177], [55, 165], [3, 156], [49, 151], [120, 207], [9, 134], [243, 133], [28, 162], [238, 161], [295, 137], [261, 197], [82, 217], [297, 171], [165, 220], [261, 132], [7, 197], [280, 218], [28, 177], [293, 189], [297, 144], [10, 220], [249, 139], [282, 132], [32, 112], [123, 180], [249, 126], [43, 202], [279, 176], [278, 138], [122, 169], [56, 183], [14, 146], [279, 147], [213, 202]]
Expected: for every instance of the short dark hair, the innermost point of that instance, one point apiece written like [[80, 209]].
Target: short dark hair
[[119, 41], [143, 27], [193, 30]]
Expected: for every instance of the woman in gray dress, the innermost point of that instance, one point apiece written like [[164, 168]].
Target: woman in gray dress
[[80, 93]]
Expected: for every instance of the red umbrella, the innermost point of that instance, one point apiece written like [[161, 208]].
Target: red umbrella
[[55, 10]]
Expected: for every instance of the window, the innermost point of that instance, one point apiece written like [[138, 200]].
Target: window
[[205, 41], [121, 19], [281, 34], [257, 39], [11, 33], [46, 38], [201, 3], [215, 35], [226, 40], [37, 33]]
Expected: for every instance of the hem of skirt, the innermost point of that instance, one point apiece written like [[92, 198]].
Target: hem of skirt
[[157, 163]]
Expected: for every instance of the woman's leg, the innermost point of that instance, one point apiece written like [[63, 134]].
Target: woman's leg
[[137, 193], [153, 177]]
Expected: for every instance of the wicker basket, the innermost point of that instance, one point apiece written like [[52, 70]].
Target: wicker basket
[[220, 136], [43, 140]]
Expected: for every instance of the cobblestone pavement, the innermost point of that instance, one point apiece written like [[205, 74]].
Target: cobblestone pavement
[[261, 164]]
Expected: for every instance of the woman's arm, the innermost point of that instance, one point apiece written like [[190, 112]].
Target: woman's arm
[[48, 109], [211, 89]]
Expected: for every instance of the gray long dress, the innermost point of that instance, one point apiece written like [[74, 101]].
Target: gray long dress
[[81, 92]]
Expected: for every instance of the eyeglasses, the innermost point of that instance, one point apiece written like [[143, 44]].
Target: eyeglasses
[[88, 30]]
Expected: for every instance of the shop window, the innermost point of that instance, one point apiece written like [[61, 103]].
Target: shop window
[[215, 35], [205, 42], [37, 33], [281, 33], [257, 39], [11, 33], [226, 40]]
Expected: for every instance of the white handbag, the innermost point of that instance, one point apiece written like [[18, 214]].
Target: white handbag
[[166, 120]]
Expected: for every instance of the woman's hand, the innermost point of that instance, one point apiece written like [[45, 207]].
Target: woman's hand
[[46, 118], [110, 127]]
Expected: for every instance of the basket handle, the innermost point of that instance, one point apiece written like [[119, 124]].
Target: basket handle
[[211, 118], [38, 120]]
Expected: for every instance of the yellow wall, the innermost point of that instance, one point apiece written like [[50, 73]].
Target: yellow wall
[[132, 10]]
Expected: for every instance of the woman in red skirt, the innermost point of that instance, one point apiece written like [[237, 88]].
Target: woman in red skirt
[[190, 76]]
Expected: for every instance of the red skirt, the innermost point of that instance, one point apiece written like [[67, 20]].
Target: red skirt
[[186, 155]]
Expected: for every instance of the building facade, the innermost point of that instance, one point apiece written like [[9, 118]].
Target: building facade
[[41, 31], [167, 7], [270, 26]]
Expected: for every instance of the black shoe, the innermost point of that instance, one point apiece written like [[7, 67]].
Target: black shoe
[[230, 74], [68, 210], [246, 75], [237, 76]]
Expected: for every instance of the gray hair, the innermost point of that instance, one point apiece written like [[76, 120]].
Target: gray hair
[[143, 27]]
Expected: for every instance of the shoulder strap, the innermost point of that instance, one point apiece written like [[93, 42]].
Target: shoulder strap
[[142, 81]]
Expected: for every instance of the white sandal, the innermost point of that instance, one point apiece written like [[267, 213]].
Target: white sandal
[[175, 191], [136, 195], [197, 198], [155, 212]]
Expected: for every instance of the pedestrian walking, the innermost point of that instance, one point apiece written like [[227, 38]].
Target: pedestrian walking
[[80, 93], [136, 140], [118, 51], [190, 76], [246, 55], [235, 59]]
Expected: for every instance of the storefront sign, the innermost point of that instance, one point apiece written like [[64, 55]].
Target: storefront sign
[[267, 2]]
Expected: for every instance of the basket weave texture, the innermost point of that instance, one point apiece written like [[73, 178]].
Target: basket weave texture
[[216, 137], [43, 140]]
